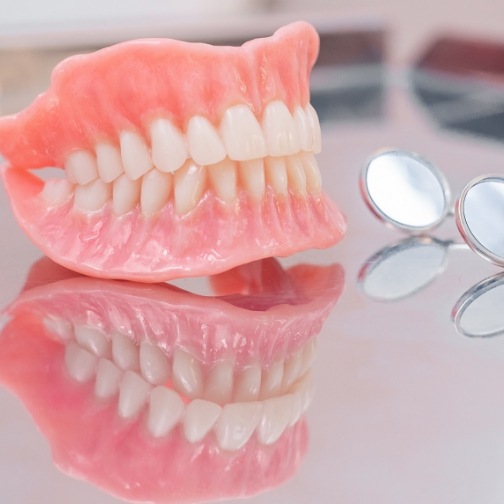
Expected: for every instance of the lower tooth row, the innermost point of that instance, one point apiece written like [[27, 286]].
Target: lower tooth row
[[299, 174]]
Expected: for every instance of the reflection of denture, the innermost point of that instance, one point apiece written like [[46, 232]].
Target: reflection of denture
[[180, 159], [131, 383]]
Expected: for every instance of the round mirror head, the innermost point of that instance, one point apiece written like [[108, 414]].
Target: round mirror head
[[398, 271], [405, 190], [479, 214], [478, 313]]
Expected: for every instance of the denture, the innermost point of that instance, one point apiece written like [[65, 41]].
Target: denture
[[178, 159], [161, 395]]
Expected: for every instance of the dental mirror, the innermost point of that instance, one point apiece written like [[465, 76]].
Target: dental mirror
[[478, 313], [479, 214], [405, 191]]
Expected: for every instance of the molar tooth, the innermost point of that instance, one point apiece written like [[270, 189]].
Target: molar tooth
[[125, 352], [272, 380], [302, 393], [92, 196], [200, 416], [156, 190], [308, 356], [80, 363], [205, 144], [135, 155], [93, 340], [277, 415], [296, 175], [223, 178], [313, 121], [252, 176], [187, 374], [242, 135], [108, 378], [237, 423], [154, 364], [81, 168], [59, 327], [189, 186], [109, 162], [312, 173], [280, 130], [126, 193], [165, 410], [276, 174], [169, 149], [303, 128], [292, 370], [133, 394], [220, 382], [57, 191], [248, 384]]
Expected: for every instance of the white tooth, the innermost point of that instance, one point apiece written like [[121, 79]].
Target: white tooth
[[125, 352], [219, 384], [276, 174], [303, 128], [169, 149], [277, 415], [57, 191], [126, 193], [280, 130], [292, 370], [237, 423], [223, 179], [308, 356], [189, 186], [312, 173], [154, 364], [272, 380], [252, 177], [81, 167], [248, 384], [156, 191], [200, 416], [313, 121], [243, 137], [302, 393], [135, 155], [205, 144], [80, 363], [93, 340], [59, 327], [165, 410], [296, 175], [109, 162], [108, 378], [187, 375], [133, 394], [92, 196]]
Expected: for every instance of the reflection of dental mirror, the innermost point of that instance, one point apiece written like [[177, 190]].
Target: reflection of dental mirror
[[405, 190], [478, 313]]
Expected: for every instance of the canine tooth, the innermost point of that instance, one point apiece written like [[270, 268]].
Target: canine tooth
[[165, 410], [237, 423], [92, 196], [276, 416], [276, 174], [135, 155], [108, 158], [169, 149], [205, 144], [313, 121], [303, 128], [312, 173], [220, 382], [252, 176], [272, 380], [154, 364], [80, 363], [81, 168], [108, 378], [133, 394], [223, 179], [242, 134], [125, 352], [125, 194], [187, 374], [248, 384], [189, 186], [93, 340], [280, 130], [57, 191], [61, 328], [292, 370], [156, 190], [200, 416], [296, 175]]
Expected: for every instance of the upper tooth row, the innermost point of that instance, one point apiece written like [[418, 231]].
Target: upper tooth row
[[239, 137]]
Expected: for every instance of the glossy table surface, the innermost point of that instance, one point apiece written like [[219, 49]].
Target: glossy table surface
[[405, 409]]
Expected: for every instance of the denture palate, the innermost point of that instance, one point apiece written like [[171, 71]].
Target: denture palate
[[233, 402], [165, 164]]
